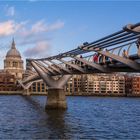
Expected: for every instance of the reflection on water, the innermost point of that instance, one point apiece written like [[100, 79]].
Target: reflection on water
[[52, 119], [34, 103], [57, 124], [24, 117]]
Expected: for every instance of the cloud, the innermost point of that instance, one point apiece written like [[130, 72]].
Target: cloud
[[56, 26], [33, 39], [41, 27], [10, 11], [39, 31], [9, 27], [41, 49]]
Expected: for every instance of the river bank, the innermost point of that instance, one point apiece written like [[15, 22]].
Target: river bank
[[94, 95]]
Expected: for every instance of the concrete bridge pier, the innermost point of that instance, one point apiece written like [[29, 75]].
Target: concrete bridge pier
[[26, 92], [56, 99], [56, 96]]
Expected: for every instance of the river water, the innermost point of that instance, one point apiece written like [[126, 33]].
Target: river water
[[96, 118]]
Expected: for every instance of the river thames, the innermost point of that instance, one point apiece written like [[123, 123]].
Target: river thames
[[86, 117]]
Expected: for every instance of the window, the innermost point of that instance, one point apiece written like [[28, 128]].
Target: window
[[15, 64]]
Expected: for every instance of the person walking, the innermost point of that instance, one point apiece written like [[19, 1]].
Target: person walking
[[125, 54], [95, 58]]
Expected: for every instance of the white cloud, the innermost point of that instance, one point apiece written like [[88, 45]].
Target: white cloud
[[31, 33], [41, 49], [55, 26], [10, 27], [41, 27], [33, 39], [7, 28], [39, 31], [10, 11]]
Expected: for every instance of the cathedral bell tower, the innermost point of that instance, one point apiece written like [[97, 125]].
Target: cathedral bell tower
[[13, 62]]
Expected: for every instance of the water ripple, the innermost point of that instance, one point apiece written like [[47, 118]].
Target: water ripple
[[97, 118]]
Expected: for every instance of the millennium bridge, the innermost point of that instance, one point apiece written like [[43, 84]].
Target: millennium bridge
[[117, 52]]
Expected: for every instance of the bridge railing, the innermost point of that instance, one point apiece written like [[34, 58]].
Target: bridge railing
[[101, 58]]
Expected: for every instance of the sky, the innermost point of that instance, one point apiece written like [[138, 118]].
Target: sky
[[46, 28]]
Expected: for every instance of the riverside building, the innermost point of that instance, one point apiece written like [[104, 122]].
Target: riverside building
[[38, 88], [132, 86], [13, 70], [76, 85], [128, 85], [100, 84], [135, 85], [7, 81]]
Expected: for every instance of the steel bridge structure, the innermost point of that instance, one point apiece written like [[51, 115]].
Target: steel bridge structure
[[118, 52]]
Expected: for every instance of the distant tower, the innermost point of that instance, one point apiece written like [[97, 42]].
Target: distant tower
[[13, 62]]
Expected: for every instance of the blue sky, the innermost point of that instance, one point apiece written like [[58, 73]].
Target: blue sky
[[44, 28]]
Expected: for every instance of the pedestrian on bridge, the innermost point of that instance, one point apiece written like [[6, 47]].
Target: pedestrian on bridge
[[138, 43], [81, 63], [125, 54], [138, 46], [106, 59], [95, 58]]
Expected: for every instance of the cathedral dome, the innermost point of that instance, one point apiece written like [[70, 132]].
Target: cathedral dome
[[13, 62], [13, 52]]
